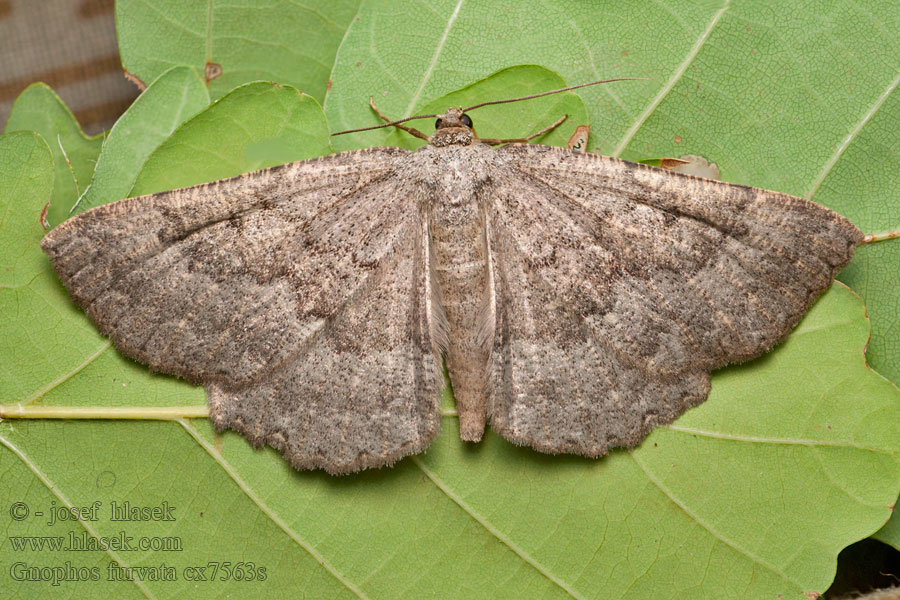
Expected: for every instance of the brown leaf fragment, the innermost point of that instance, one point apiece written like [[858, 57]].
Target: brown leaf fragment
[[579, 139], [692, 164], [43, 218], [212, 70], [135, 80]]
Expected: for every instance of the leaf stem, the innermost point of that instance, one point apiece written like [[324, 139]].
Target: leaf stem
[[151, 413], [890, 234]]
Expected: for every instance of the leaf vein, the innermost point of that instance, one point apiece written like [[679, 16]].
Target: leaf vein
[[782, 441], [696, 518], [851, 135], [266, 510], [675, 78], [434, 58], [493, 530]]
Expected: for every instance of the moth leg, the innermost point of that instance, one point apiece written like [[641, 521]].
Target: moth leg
[[524, 140], [408, 130]]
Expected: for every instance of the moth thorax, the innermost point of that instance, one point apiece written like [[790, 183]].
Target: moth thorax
[[452, 136]]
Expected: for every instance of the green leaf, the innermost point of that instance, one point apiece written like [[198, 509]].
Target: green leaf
[[175, 97], [254, 126], [39, 109], [26, 170], [862, 184], [279, 41], [752, 494]]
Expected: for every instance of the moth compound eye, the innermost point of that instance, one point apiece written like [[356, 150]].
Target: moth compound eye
[[466, 121], [437, 124]]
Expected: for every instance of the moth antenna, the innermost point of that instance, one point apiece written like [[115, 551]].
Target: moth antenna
[[390, 124], [565, 89]]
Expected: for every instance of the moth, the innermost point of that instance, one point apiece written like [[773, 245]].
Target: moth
[[577, 300]]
